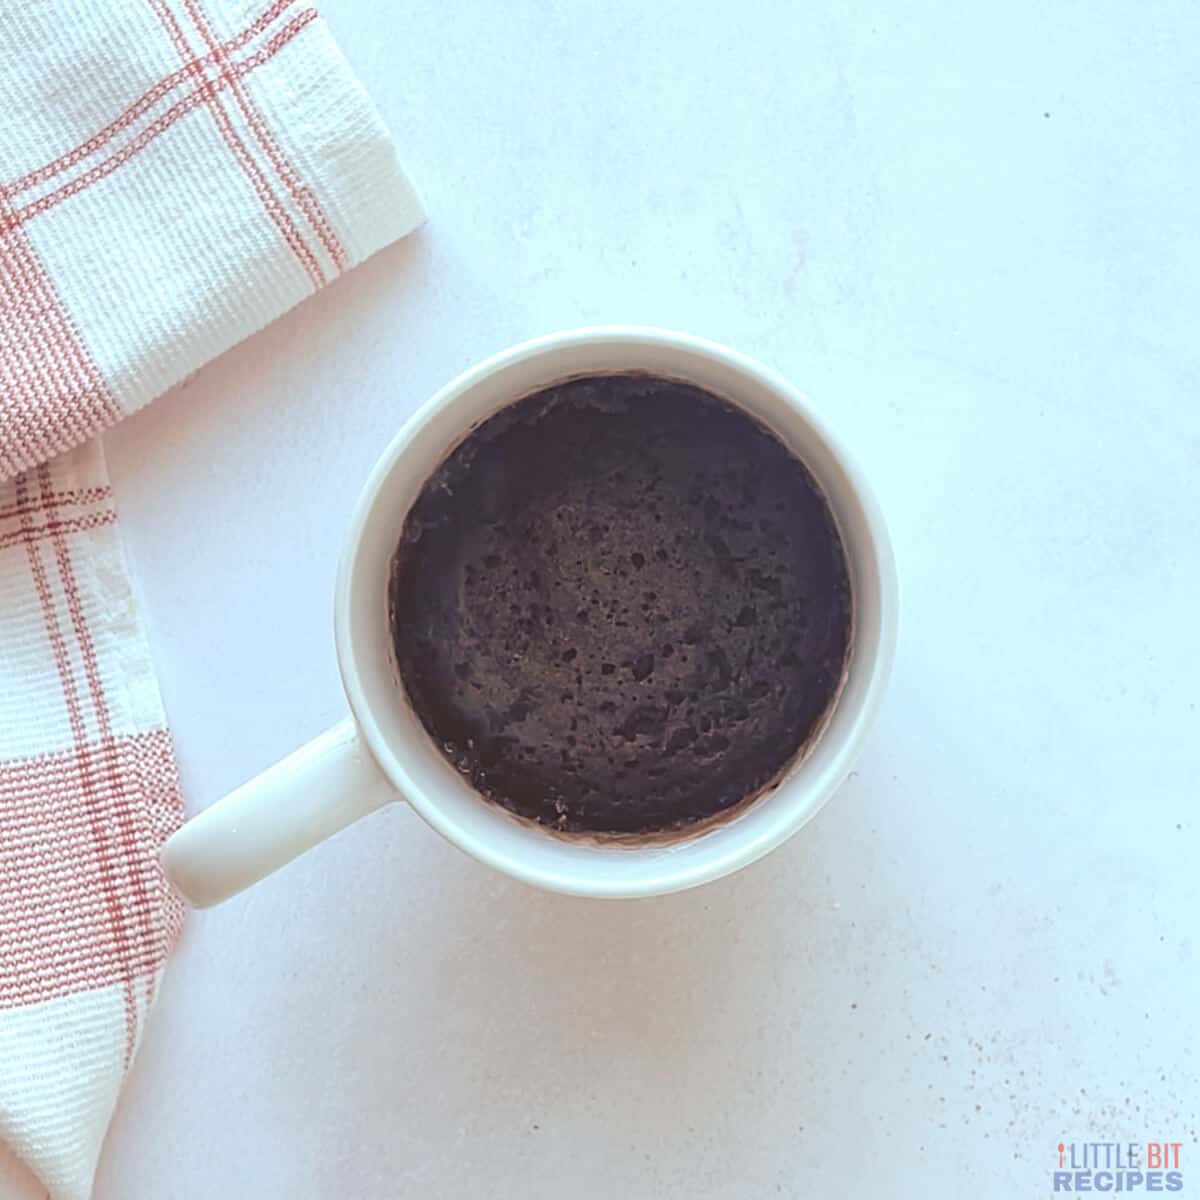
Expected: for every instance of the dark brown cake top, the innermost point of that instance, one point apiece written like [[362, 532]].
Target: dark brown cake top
[[620, 605]]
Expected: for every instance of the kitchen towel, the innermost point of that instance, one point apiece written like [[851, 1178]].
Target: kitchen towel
[[174, 174]]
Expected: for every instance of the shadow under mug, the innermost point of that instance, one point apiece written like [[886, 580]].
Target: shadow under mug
[[381, 752]]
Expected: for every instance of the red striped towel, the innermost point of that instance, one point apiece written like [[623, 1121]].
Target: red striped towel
[[174, 174]]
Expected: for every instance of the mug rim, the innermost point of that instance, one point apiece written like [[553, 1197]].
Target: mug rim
[[391, 763]]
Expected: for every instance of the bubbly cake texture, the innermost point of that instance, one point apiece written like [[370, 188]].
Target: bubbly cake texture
[[620, 605]]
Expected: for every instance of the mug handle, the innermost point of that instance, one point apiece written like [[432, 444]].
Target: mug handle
[[276, 816]]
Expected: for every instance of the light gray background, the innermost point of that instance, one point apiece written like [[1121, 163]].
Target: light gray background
[[969, 232]]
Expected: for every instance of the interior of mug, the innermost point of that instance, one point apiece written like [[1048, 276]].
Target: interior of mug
[[581, 864]]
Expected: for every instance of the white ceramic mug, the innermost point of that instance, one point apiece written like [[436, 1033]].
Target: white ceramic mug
[[382, 753]]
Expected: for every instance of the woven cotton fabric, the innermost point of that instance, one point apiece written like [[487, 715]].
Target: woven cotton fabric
[[174, 174]]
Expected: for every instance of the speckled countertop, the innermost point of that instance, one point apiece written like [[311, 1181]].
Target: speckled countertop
[[968, 232]]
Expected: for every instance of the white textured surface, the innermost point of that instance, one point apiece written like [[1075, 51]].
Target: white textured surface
[[987, 943]]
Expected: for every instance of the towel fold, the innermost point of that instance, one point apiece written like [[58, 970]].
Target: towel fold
[[174, 174]]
